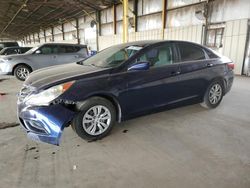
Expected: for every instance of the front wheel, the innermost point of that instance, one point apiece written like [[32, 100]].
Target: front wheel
[[213, 95], [95, 120], [22, 72]]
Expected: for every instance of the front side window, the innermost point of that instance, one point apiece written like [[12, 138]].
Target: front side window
[[112, 56], [49, 49], [158, 56], [11, 51], [190, 52]]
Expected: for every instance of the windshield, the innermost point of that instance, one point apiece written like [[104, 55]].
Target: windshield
[[32, 50], [113, 56]]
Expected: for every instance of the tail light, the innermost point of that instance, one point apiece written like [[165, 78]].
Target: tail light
[[230, 66]]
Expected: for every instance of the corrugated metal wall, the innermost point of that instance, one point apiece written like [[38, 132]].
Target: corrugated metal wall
[[190, 33], [234, 42], [181, 23]]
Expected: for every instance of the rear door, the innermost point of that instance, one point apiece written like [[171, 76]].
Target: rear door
[[193, 66], [69, 54], [155, 87]]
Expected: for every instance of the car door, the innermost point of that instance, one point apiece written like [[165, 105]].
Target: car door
[[67, 54], [156, 87], [193, 64], [46, 55]]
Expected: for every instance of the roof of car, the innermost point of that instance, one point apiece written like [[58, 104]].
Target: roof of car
[[151, 42], [16, 47], [6, 42], [68, 44]]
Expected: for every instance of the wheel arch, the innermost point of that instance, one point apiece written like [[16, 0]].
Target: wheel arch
[[25, 64], [218, 79], [108, 97], [222, 80]]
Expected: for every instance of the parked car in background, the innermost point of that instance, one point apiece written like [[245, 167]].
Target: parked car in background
[[7, 44], [119, 83], [42, 56], [14, 50]]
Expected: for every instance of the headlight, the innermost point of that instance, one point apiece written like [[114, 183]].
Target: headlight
[[45, 97]]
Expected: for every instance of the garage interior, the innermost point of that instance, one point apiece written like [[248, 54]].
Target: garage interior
[[184, 147]]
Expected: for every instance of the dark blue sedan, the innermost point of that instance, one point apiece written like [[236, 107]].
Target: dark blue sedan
[[121, 82]]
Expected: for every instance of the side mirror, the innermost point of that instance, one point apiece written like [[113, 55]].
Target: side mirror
[[141, 65], [38, 52]]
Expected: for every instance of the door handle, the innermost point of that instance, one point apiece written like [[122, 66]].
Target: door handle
[[174, 73], [210, 64]]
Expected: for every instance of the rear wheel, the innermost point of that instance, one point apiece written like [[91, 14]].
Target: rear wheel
[[95, 120], [213, 95], [22, 72]]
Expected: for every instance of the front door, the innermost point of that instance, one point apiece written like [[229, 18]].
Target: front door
[[156, 87], [47, 56]]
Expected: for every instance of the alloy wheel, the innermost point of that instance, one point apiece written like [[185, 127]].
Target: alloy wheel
[[96, 120], [215, 94], [22, 73]]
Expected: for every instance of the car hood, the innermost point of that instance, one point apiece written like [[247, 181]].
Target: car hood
[[15, 55], [57, 74]]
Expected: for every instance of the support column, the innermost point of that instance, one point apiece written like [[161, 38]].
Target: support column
[[29, 39], [34, 38], [52, 34], [125, 21], [164, 15], [114, 19], [135, 15], [44, 34], [77, 31], [63, 35], [98, 28], [206, 14], [38, 36]]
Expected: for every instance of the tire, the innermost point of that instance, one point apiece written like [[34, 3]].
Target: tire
[[95, 113], [21, 72], [213, 95]]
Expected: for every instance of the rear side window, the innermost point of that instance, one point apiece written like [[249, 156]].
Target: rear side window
[[69, 49], [190, 52], [84, 51], [211, 54]]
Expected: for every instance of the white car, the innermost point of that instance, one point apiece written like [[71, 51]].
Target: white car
[[42, 56]]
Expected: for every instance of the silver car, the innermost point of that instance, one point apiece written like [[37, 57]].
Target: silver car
[[41, 56]]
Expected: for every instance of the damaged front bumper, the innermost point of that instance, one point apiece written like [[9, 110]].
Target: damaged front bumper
[[44, 124]]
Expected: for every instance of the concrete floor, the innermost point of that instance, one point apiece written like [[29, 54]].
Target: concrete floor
[[187, 147]]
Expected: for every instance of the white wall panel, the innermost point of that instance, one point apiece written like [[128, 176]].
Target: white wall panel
[[106, 41], [235, 41], [226, 10], [149, 22], [70, 26], [57, 29], [190, 33], [107, 29], [151, 6], [179, 3], [183, 17]]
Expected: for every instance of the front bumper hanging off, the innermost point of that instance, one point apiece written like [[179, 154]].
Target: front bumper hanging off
[[45, 124]]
